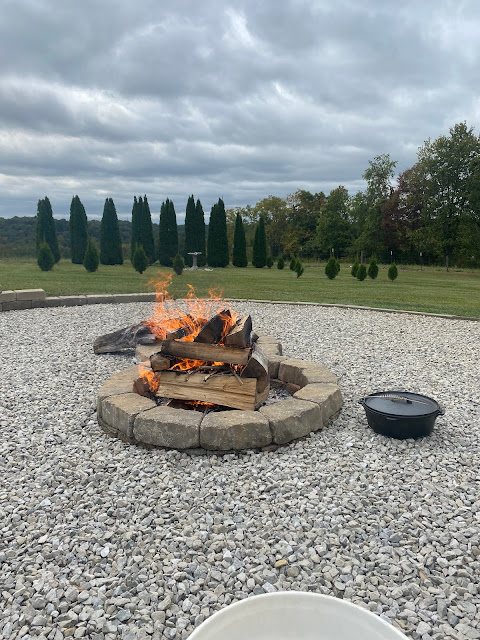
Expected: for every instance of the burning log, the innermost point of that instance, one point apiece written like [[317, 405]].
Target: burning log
[[124, 339], [205, 352], [239, 336], [215, 328], [142, 387], [191, 325]]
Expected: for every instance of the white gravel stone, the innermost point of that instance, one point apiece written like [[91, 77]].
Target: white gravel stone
[[391, 525]]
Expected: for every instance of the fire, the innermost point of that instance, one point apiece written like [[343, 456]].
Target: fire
[[187, 317], [152, 378]]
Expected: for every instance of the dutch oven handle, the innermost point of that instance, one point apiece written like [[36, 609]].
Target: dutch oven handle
[[441, 412], [361, 401]]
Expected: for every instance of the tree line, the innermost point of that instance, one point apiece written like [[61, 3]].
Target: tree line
[[143, 248], [430, 215]]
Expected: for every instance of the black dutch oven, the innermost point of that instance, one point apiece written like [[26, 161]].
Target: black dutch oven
[[401, 414]]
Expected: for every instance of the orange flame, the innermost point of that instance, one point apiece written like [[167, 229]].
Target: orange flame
[[150, 376], [188, 315]]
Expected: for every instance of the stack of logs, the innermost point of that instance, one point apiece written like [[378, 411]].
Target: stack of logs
[[216, 369]]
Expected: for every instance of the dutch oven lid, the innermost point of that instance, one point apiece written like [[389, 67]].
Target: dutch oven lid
[[401, 403]]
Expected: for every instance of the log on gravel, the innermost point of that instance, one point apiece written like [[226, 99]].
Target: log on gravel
[[124, 339]]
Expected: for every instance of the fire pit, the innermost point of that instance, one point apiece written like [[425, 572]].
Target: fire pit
[[205, 383]]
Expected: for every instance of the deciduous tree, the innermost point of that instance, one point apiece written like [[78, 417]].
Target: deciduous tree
[[334, 228]]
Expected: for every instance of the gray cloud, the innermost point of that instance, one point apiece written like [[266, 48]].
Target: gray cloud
[[237, 101]]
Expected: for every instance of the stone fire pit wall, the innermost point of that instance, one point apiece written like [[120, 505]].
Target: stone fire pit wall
[[138, 420]]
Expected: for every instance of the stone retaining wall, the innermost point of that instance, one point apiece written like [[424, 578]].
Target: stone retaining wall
[[36, 298], [138, 420]]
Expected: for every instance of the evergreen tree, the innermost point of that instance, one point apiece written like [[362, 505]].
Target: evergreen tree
[[78, 230], [167, 234], [361, 272], [46, 231], [259, 257], [239, 244], [355, 266], [139, 259], [392, 272], [281, 263], [293, 263], [136, 225], [299, 269], [200, 235], [110, 240], [45, 259], [178, 264], [331, 268], [190, 231], [146, 231], [269, 262], [91, 259], [372, 269], [217, 251]]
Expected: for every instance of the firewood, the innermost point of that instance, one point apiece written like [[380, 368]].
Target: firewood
[[188, 329], [181, 332], [205, 352], [215, 328], [262, 395], [142, 387], [124, 339], [221, 390], [239, 336], [158, 362], [257, 367]]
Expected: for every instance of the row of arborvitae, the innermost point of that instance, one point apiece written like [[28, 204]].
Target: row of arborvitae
[[360, 271], [83, 248]]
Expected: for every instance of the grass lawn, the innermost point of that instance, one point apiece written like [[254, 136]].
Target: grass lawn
[[431, 290]]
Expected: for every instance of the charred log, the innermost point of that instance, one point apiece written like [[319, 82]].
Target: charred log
[[215, 328], [124, 339]]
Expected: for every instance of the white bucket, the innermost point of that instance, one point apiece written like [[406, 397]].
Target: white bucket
[[295, 615]]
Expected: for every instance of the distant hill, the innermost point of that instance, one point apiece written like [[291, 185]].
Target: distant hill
[[17, 236]]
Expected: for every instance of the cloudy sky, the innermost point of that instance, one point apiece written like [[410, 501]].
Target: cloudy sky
[[111, 98]]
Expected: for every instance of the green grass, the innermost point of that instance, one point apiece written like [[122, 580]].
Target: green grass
[[430, 290]]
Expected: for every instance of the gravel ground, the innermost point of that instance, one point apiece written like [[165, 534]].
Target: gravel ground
[[103, 540]]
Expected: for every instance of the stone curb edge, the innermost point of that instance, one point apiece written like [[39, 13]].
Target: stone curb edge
[[356, 307], [15, 303]]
